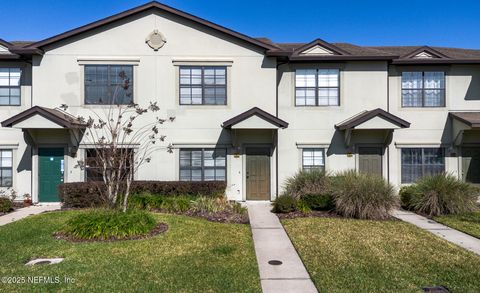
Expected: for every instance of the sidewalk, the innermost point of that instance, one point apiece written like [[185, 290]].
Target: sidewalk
[[25, 212], [454, 236], [272, 244]]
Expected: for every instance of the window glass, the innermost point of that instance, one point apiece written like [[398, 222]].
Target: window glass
[[317, 87], [10, 86], [423, 89], [109, 84], [203, 164], [203, 85], [6, 168], [313, 158], [420, 162]]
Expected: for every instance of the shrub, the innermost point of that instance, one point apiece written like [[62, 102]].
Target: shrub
[[5, 205], [284, 204], [363, 196], [307, 183], [178, 204], [319, 202], [441, 195], [407, 194], [87, 194], [105, 224]]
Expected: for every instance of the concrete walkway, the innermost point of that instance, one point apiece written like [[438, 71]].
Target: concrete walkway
[[25, 212], [459, 238], [273, 244]]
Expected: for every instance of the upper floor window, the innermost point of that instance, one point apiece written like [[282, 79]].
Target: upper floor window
[[420, 162], [10, 86], [109, 84], [6, 168], [423, 89], [201, 85], [317, 87], [313, 159], [203, 164]]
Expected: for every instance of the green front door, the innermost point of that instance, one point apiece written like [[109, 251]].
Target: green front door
[[50, 173]]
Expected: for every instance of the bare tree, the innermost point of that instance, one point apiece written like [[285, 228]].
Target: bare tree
[[118, 147]]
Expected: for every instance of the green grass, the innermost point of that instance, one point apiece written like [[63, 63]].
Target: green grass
[[194, 255], [345, 255], [467, 222]]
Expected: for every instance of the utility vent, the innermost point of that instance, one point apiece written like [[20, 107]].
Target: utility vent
[[437, 289], [44, 261]]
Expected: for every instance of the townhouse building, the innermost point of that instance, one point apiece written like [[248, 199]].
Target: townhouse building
[[247, 110]]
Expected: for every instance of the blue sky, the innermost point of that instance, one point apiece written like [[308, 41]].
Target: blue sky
[[401, 22]]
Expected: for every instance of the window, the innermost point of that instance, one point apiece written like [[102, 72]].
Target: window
[[317, 87], [203, 85], [423, 89], [313, 159], [10, 86], [420, 162], [93, 170], [109, 84], [6, 168], [203, 164]]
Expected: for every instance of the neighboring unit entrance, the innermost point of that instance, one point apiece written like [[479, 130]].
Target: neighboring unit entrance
[[370, 160], [258, 173], [50, 173], [471, 164]]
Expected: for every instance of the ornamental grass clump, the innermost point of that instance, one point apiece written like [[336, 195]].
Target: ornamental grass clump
[[311, 182], [109, 224], [440, 194], [363, 196]]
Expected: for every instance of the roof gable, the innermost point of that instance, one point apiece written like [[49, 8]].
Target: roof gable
[[319, 47], [154, 5], [262, 120], [55, 116], [424, 52], [385, 120]]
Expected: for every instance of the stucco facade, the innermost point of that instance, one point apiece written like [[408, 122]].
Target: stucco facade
[[259, 74]]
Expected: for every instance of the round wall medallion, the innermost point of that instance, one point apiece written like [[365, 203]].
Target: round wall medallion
[[156, 40]]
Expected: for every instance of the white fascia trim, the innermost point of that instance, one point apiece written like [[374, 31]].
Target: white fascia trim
[[312, 145], [199, 145], [419, 145], [202, 61], [121, 60], [8, 145]]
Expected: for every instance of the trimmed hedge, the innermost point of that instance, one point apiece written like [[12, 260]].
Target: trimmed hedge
[[5, 205], [87, 194]]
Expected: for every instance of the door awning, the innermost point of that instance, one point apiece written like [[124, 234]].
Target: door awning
[[461, 122], [43, 118], [373, 119], [255, 118]]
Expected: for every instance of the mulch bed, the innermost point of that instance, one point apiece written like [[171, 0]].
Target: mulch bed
[[221, 217], [160, 228]]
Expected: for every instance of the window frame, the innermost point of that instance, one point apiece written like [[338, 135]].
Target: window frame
[[202, 86], [313, 167], [132, 83], [2, 168], [317, 87], [423, 164], [423, 89], [9, 87], [202, 168]]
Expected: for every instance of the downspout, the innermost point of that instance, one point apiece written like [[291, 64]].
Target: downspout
[[388, 110], [277, 82]]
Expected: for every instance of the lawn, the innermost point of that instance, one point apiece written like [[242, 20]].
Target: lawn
[[345, 255], [468, 222], [194, 255]]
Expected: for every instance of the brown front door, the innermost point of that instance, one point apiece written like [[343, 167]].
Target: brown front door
[[370, 160], [258, 173], [471, 164]]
